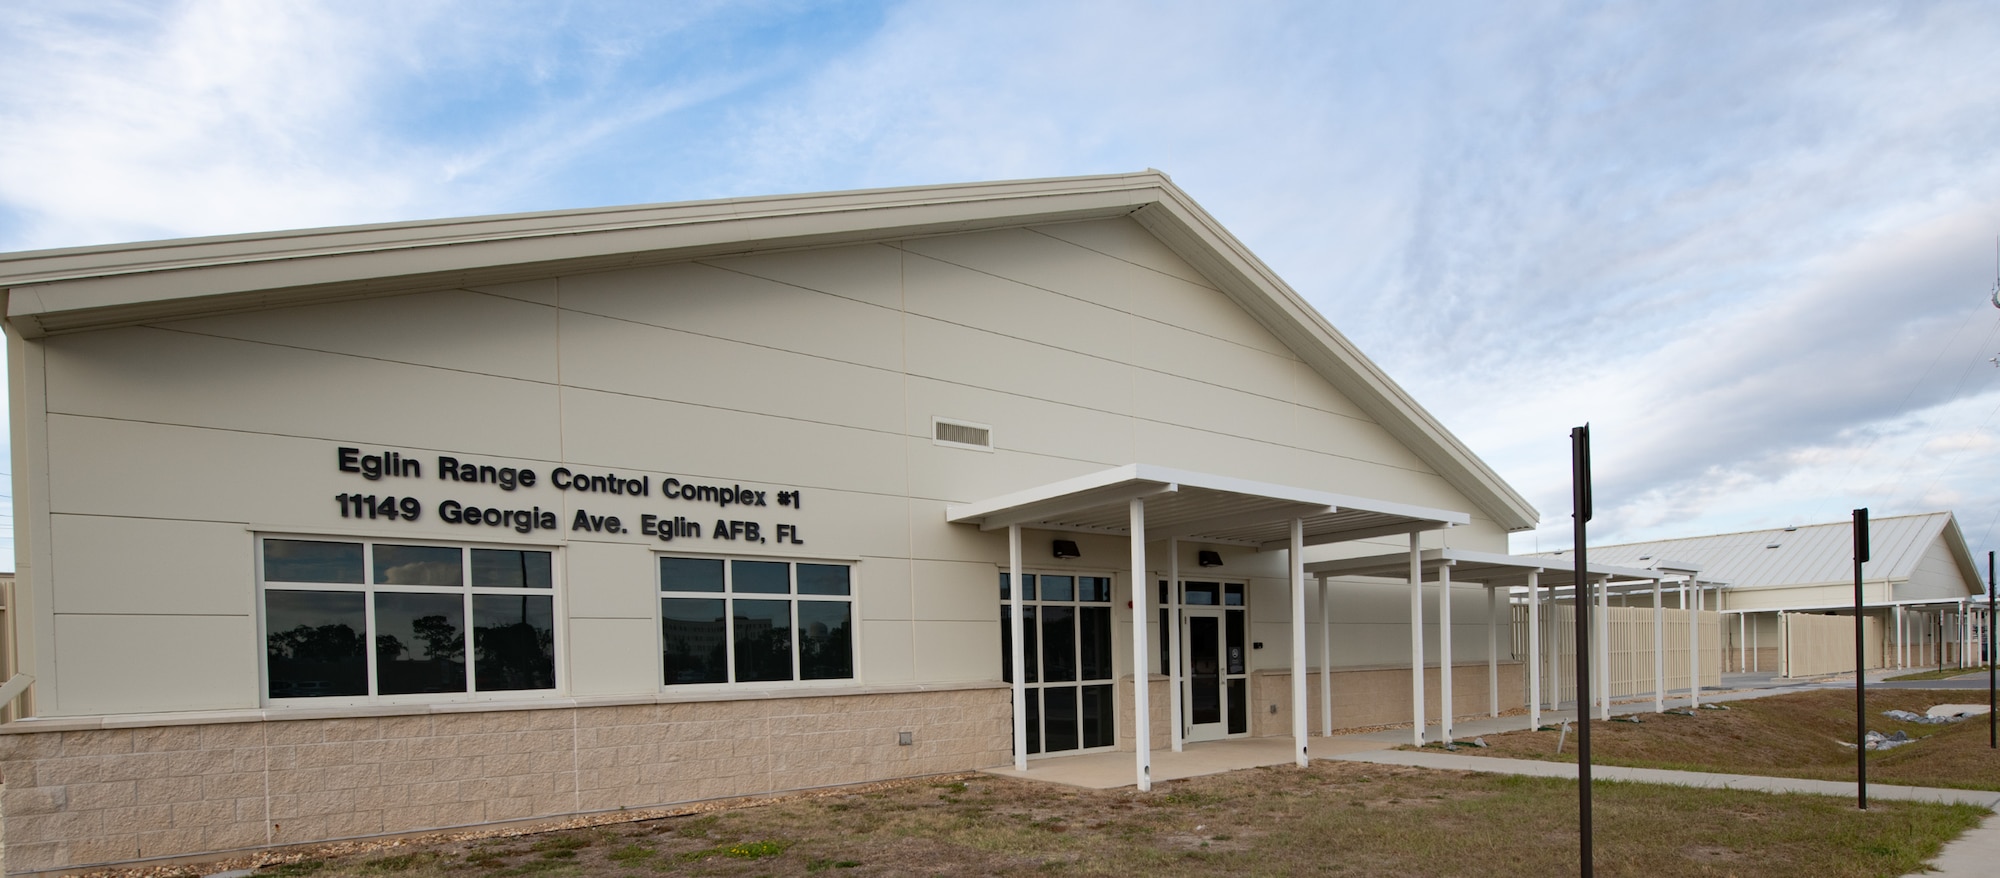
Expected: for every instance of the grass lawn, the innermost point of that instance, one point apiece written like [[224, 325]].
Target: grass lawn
[[1945, 674], [1333, 818], [1792, 735]]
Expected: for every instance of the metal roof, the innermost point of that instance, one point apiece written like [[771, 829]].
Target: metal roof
[[1482, 567], [1198, 506], [1814, 554]]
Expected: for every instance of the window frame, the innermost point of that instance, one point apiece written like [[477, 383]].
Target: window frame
[[368, 589], [728, 596], [1034, 666]]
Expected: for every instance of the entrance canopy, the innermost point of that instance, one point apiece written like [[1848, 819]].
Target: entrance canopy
[[1199, 506], [1484, 567]]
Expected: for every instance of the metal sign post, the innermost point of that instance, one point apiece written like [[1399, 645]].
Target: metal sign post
[[1860, 662], [1579, 439], [1992, 663]]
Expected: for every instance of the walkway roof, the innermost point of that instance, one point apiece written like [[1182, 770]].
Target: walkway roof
[[1484, 567]]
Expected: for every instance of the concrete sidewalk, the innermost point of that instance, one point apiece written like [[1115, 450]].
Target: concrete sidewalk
[[1971, 855]]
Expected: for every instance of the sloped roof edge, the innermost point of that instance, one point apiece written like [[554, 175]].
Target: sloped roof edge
[[76, 289]]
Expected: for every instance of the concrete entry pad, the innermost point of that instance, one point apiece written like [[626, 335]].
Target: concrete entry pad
[[1113, 769]]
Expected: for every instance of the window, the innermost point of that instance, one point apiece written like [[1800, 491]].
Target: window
[[364, 620], [750, 621], [1066, 648]]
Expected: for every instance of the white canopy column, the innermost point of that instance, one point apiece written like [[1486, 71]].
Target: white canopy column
[[1416, 641], [1142, 715], [1493, 650], [1694, 643], [1659, 651], [1017, 659], [1296, 561], [1603, 658], [1534, 649], [1175, 707], [1325, 660]]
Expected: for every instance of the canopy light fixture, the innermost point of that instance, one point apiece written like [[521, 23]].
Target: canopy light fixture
[[1208, 558], [1067, 549]]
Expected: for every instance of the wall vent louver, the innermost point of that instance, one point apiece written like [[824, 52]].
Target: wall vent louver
[[961, 434]]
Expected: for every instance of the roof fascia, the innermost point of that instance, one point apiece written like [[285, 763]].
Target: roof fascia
[[1218, 255]]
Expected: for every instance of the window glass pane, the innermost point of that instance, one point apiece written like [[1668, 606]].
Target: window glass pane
[[763, 640], [312, 561], [1100, 711], [1006, 592], [1199, 594], [1096, 589], [509, 568], [1058, 642], [826, 650], [419, 643], [1094, 635], [1232, 595], [760, 577], [1030, 656], [419, 565], [1027, 586], [693, 639], [314, 648], [1034, 720], [691, 574], [1235, 655], [822, 579], [1058, 588], [1239, 707], [1059, 719], [1006, 643], [514, 638]]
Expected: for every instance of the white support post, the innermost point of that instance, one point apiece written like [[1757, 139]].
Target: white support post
[[1694, 642], [1017, 657], [1444, 650], [1297, 563], [1742, 642], [1554, 642], [1756, 655], [1175, 708], [1604, 650], [1416, 640], [1902, 641], [1142, 723], [1325, 661], [1493, 649], [1534, 650], [1659, 649]]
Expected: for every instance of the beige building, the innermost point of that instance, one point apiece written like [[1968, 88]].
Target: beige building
[[344, 532]]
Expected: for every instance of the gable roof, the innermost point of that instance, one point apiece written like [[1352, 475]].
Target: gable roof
[[85, 288], [1813, 554]]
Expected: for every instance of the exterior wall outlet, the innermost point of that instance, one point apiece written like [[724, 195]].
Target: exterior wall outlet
[[904, 738]]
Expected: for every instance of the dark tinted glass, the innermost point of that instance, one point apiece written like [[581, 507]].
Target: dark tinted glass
[[763, 641], [509, 568], [1058, 642], [1199, 594], [694, 639], [315, 643], [760, 577], [691, 574], [419, 643], [826, 649], [1031, 643], [1239, 708], [1232, 595], [1093, 589], [1059, 723], [1006, 643], [514, 641], [822, 579], [312, 561], [419, 565], [1235, 655], [1094, 636], [1100, 711], [1034, 722], [1058, 588]]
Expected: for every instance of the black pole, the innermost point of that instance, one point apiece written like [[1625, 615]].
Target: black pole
[[1860, 662], [1992, 662], [1579, 439]]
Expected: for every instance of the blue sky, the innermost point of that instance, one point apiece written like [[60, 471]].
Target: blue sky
[[1751, 243]]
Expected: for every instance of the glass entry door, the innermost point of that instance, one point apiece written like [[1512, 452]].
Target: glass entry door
[[1215, 668]]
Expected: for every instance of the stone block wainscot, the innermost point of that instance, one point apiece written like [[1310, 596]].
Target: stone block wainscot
[[80, 794]]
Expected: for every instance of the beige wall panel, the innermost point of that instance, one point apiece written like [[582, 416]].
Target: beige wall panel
[[643, 360], [1308, 388], [869, 273], [176, 378], [932, 537], [1170, 445], [543, 291], [726, 304], [147, 566], [623, 431], [948, 352], [1191, 354], [1204, 310], [144, 664], [887, 652], [1202, 406], [1022, 423], [962, 476], [1347, 437], [953, 652], [609, 581], [613, 656], [1938, 576], [1037, 260], [955, 591], [1125, 239], [953, 294], [453, 329], [882, 588]]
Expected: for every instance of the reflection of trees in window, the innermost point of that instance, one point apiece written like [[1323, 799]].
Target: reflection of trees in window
[[316, 660], [748, 621]]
